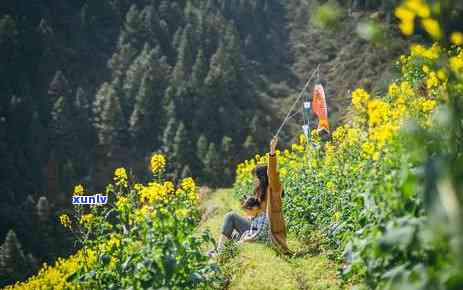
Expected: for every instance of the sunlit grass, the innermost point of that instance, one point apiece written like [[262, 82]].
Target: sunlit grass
[[260, 267]]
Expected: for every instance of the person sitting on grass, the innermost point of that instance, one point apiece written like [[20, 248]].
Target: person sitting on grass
[[264, 221]]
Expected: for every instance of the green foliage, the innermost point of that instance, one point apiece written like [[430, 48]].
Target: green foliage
[[381, 196], [145, 236]]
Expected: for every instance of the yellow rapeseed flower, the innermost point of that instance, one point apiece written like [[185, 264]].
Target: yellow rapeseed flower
[[65, 220], [86, 219], [359, 99], [432, 27], [456, 38], [431, 53], [432, 81], [121, 202], [393, 89], [442, 75], [428, 105], [182, 213], [368, 148], [456, 63], [120, 176], [78, 189], [158, 162], [419, 7], [168, 187], [407, 20]]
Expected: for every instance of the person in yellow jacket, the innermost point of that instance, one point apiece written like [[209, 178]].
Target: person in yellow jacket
[[264, 221]]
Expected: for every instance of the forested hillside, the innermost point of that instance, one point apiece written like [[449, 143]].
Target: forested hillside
[[88, 86]]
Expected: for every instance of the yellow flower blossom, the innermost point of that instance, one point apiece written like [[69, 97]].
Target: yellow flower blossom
[[407, 20], [158, 162], [153, 192], [442, 75], [432, 27], [86, 219], [456, 38], [182, 213], [359, 99], [78, 189], [168, 187], [120, 176], [430, 53], [393, 89], [432, 81], [428, 105], [406, 89], [65, 220], [418, 7], [368, 148], [456, 63], [121, 202]]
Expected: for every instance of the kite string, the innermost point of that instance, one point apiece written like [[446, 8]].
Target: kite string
[[297, 100]]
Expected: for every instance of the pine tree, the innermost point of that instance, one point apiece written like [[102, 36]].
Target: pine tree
[[27, 223], [201, 147], [112, 127], [47, 248], [228, 160], [136, 72], [213, 165], [43, 209], [62, 123], [134, 28], [36, 148], [13, 263], [182, 146], [148, 115], [168, 137], [182, 69], [84, 132], [199, 71]]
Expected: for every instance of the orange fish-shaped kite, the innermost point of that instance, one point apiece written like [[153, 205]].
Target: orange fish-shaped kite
[[319, 107]]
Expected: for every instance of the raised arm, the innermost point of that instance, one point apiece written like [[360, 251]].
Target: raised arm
[[273, 176]]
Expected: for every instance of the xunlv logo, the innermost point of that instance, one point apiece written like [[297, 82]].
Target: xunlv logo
[[89, 199]]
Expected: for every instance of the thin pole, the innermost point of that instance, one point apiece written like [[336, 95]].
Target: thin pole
[[297, 100]]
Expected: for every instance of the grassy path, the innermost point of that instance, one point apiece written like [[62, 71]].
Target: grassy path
[[259, 267]]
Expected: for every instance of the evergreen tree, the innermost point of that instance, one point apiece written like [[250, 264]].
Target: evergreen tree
[[109, 118], [213, 165], [181, 146], [47, 248], [43, 209], [134, 28], [168, 137], [13, 263], [148, 115], [228, 160], [199, 71], [62, 122], [185, 57], [201, 147], [27, 221], [36, 148], [84, 133]]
